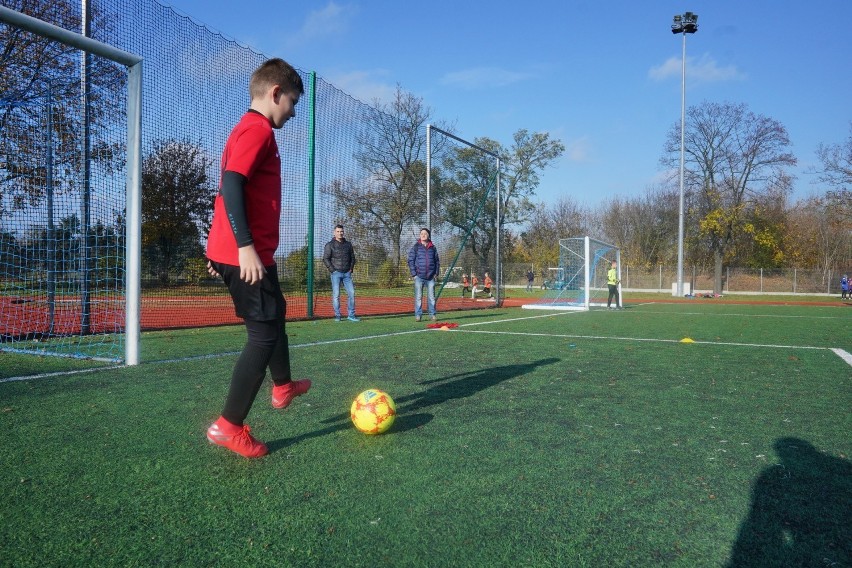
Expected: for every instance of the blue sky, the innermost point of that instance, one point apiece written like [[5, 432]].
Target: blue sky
[[603, 77]]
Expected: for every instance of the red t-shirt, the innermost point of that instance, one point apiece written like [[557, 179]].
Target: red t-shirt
[[251, 150]]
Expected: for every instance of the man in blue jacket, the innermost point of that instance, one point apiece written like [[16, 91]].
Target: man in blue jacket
[[423, 263]]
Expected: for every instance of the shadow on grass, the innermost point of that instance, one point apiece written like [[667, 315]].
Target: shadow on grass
[[801, 511], [401, 424], [460, 385], [463, 385]]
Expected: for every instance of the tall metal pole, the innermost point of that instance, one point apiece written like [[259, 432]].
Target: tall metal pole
[[680, 199], [86, 205], [429, 176], [687, 23]]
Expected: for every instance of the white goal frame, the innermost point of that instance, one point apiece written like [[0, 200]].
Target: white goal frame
[[583, 275], [133, 204]]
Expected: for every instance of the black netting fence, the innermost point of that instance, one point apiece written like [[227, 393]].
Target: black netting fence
[[339, 158]]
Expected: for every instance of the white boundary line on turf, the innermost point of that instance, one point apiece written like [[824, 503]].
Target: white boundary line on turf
[[59, 374], [839, 352], [742, 315], [559, 313], [231, 353], [845, 355], [199, 357]]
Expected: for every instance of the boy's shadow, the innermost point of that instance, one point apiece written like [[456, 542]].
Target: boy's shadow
[[463, 385], [801, 511], [460, 385]]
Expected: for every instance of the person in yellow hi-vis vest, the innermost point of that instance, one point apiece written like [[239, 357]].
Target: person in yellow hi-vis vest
[[612, 281]]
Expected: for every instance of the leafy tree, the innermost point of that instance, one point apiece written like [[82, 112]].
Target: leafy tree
[[467, 181], [10, 252], [296, 268], [732, 156], [814, 235], [177, 205], [33, 68]]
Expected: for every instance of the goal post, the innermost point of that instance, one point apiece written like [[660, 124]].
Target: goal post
[[579, 282], [126, 271], [463, 212]]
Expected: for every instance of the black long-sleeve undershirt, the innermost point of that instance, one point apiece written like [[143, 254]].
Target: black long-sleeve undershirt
[[233, 194]]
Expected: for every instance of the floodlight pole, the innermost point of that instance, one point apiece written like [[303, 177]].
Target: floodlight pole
[[682, 24]]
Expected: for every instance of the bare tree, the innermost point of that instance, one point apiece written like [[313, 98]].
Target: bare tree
[[836, 172], [548, 224], [392, 152], [836, 162], [643, 227], [731, 156]]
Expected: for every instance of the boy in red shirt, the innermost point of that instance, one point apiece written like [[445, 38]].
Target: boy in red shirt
[[243, 238], [486, 285]]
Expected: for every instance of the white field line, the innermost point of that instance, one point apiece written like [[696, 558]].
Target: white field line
[[845, 355], [645, 339], [204, 357], [59, 374], [742, 315], [839, 352]]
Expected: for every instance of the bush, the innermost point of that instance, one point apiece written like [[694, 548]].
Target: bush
[[388, 275]]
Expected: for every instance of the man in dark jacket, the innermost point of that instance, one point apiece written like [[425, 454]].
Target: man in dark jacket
[[424, 264], [339, 257]]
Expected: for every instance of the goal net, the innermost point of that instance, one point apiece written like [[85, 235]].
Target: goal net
[[463, 190], [579, 282], [69, 187]]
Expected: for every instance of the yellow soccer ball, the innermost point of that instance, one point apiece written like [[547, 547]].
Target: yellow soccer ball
[[373, 411]]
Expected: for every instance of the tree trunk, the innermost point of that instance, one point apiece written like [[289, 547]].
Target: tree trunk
[[717, 271]]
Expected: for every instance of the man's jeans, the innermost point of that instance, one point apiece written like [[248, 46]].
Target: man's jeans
[[418, 296], [346, 278]]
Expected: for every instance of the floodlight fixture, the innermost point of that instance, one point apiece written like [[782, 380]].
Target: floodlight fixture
[[685, 24]]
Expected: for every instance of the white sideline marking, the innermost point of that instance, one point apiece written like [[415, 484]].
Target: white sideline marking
[[650, 340], [59, 374], [742, 315], [847, 357], [843, 355]]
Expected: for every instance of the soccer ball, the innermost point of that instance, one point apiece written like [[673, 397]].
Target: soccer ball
[[373, 411]]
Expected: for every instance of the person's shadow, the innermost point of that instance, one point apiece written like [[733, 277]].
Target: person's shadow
[[801, 511], [441, 390]]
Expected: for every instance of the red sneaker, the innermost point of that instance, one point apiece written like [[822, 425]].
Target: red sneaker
[[282, 396], [241, 442]]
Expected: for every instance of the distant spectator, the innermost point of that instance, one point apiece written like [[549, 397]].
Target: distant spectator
[[339, 258], [844, 287], [465, 284], [424, 264], [530, 278]]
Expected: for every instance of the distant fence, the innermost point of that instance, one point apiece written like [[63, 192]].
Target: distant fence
[[734, 280]]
